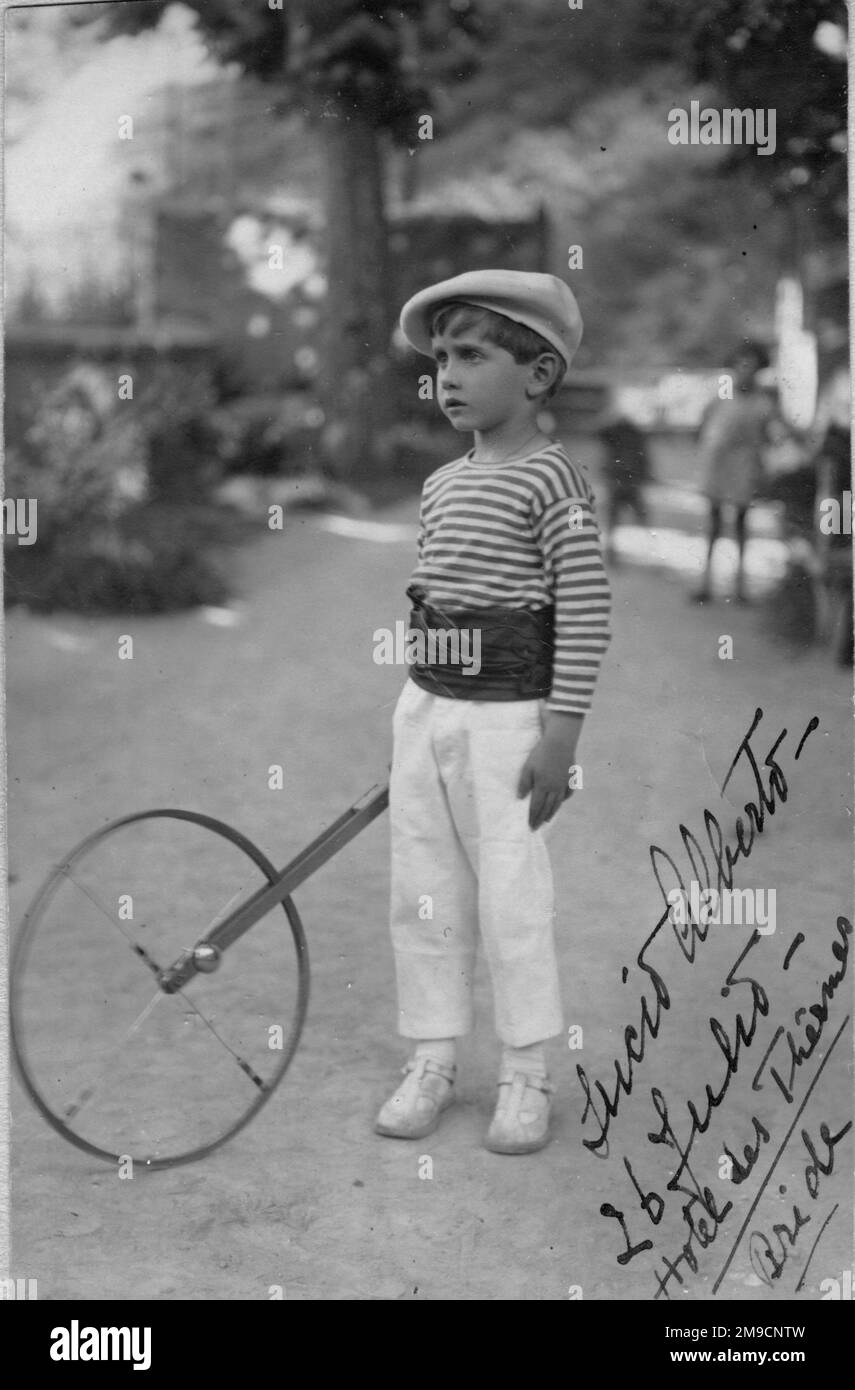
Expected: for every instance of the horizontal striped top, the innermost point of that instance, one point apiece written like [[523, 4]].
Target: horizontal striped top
[[522, 534]]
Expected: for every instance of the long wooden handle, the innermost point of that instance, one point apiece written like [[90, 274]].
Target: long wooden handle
[[328, 843]]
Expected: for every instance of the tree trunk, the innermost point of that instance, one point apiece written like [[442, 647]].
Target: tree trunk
[[356, 396]]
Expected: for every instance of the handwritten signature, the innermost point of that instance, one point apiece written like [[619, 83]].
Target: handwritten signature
[[703, 1213]]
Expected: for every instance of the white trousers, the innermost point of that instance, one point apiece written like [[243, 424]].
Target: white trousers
[[464, 859]]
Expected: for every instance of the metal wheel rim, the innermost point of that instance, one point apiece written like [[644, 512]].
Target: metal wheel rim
[[27, 932]]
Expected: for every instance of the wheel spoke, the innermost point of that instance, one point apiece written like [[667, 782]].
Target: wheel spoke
[[140, 951], [134, 945], [159, 1092], [242, 1063], [89, 1092], [224, 910]]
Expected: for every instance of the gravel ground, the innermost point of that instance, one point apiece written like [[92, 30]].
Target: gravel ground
[[307, 1203]]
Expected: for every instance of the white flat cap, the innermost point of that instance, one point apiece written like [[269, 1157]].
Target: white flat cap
[[542, 302]]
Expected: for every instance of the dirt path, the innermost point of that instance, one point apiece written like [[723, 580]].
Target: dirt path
[[307, 1199]]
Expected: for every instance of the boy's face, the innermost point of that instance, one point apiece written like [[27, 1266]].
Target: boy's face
[[479, 385]]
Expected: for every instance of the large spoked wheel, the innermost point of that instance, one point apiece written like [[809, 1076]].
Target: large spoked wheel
[[116, 1066]]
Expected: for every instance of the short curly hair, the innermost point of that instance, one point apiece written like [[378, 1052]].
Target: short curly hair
[[521, 342]]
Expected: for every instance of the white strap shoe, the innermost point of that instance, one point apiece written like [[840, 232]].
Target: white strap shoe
[[415, 1109], [521, 1122]]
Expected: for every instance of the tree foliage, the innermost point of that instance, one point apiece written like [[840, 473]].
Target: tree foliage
[[354, 55], [671, 247], [763, 53]]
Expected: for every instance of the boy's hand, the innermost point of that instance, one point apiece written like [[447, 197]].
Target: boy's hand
[[546, 770]]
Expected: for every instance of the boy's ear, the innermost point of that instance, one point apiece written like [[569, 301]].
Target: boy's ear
[[544, 373]]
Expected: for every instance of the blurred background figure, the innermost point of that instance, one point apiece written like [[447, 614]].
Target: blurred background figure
[[733, 435], [809, 477], [625, 469], [832, 462]]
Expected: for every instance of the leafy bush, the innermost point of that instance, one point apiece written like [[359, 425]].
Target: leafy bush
[[154, 560], [121, 488], [271, 436], [84, 466], [176, 412]]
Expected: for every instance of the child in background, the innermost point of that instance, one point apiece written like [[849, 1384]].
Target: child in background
[[733, 435], [625, 470]]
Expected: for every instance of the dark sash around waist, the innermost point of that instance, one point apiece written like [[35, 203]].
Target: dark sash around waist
[[516, 651]]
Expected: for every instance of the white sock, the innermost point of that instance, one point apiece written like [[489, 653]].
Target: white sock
[[438, 1049], [531, 1060]]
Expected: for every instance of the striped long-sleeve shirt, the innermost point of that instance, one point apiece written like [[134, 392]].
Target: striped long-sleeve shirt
[[522, 534]]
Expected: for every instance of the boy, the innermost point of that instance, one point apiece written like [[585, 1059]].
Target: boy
[[509, 553]]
